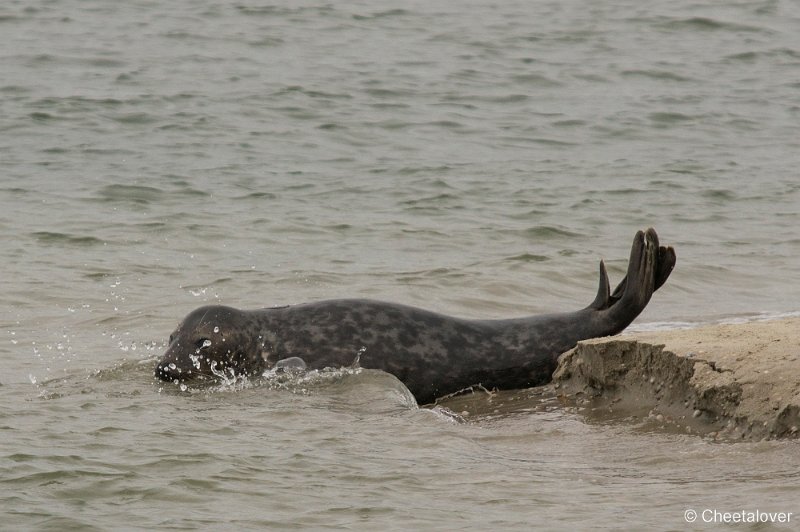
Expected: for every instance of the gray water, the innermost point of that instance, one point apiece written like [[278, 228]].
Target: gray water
[[472, 158]]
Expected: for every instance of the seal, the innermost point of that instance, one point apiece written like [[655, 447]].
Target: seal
[[432, 354]]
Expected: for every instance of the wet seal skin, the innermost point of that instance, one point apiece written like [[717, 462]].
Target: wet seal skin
[[432, 354]]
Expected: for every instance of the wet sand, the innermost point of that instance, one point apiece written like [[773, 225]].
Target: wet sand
[[737, 381]]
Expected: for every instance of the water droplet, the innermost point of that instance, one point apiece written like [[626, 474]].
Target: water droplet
[[291, 364], [207, 343]]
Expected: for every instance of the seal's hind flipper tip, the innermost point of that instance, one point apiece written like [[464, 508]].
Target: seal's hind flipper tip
[[603, 290], [651, 237], [665, 265]]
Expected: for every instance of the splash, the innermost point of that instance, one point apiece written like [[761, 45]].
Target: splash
[[290, 365], [291, 374]]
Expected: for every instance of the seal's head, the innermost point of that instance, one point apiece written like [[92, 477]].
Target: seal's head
[[211, 341]]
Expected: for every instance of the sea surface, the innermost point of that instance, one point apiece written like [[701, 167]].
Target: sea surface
[[474, 158]]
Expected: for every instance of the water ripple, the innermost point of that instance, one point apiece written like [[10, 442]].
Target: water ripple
[[130, 194]]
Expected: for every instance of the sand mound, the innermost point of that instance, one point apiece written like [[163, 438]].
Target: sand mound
[[737, 381]]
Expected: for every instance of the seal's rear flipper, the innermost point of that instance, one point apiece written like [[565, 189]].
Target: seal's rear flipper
[[603, 292], [649, 267], [666, 263], [664, 266]]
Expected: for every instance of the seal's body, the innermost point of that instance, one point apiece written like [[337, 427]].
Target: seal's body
[[432, 354]]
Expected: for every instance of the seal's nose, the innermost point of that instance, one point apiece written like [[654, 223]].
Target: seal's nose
[[168, 371]]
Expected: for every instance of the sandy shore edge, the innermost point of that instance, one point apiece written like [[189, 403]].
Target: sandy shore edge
[[739, 381]]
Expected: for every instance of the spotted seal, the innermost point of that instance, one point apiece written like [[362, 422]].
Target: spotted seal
[[432, 354]]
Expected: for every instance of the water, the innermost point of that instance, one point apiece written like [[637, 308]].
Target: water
[[469, 158]]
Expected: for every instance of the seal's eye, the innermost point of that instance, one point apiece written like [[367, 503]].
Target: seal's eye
[[202, 342]]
